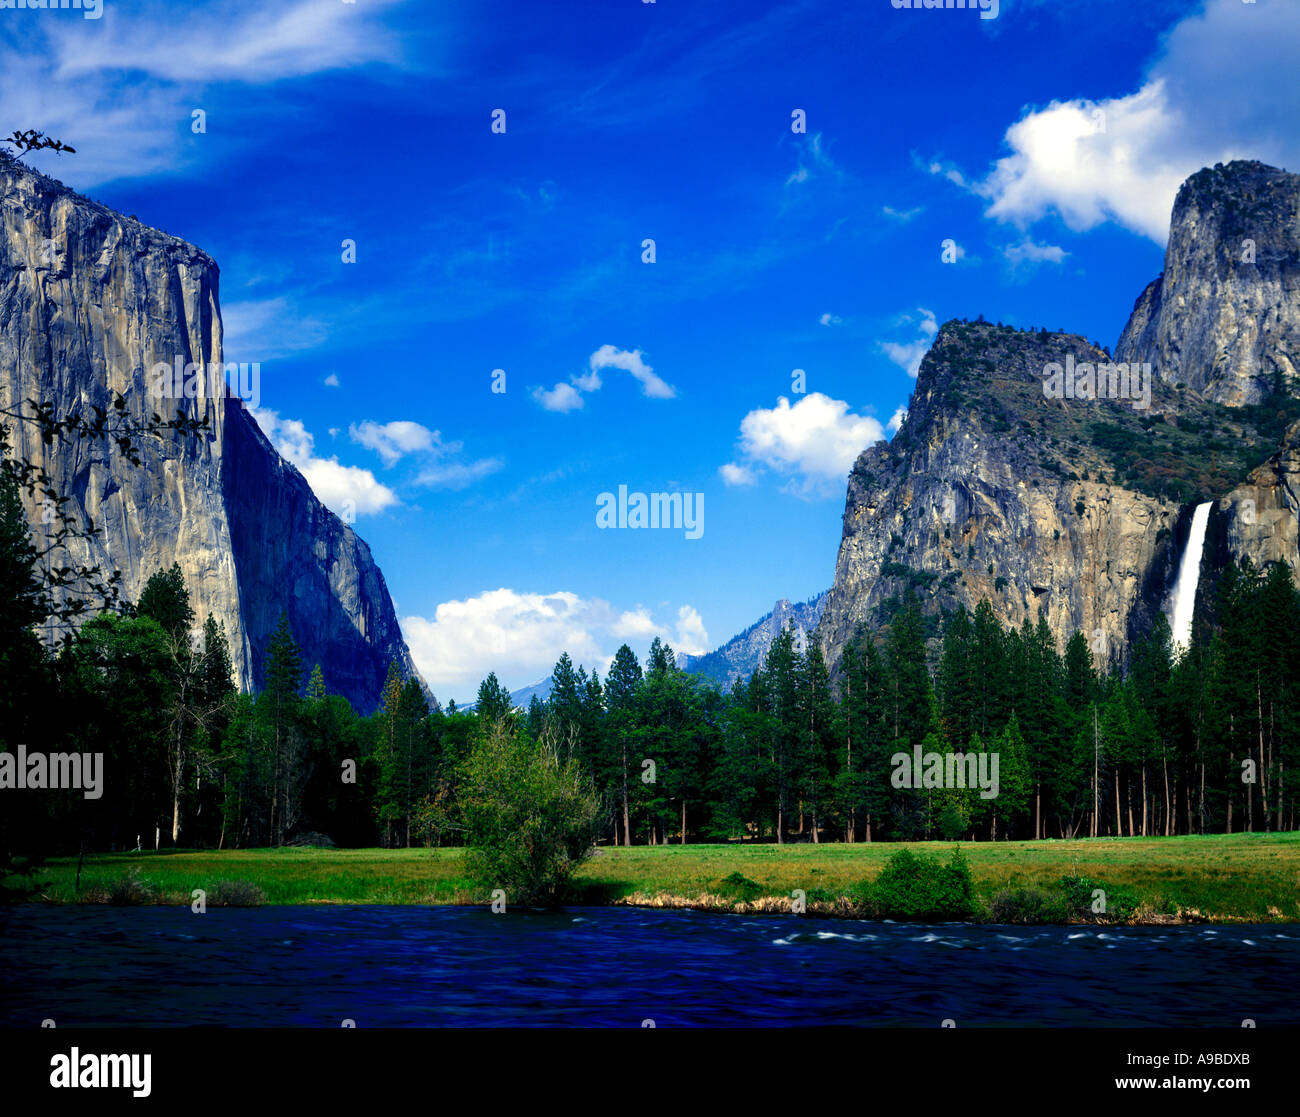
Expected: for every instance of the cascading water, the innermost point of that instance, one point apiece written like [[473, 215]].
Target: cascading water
[[1189, 573]]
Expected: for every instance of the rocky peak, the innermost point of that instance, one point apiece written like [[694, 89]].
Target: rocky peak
[[1224, 317]]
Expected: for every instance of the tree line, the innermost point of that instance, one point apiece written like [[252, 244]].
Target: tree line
[[1176, 744], [1169, 742]]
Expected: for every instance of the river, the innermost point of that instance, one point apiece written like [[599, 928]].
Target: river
[[415, 966]]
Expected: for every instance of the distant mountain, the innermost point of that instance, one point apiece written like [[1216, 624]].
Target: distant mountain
[[740, 655], [523, 696]]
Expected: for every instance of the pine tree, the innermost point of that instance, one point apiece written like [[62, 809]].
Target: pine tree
[[622, 687], [280, 701], [166, 600], [493, 702]]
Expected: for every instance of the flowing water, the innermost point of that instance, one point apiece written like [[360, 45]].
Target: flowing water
[[1189, 574], [461, 966]]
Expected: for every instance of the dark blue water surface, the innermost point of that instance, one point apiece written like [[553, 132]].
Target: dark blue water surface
[[458, 966]]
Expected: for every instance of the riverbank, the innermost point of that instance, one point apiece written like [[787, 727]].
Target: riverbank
[[1219, 878]]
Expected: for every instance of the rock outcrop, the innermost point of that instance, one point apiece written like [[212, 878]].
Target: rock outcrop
[[1224, 318], [999, 485], [90, 303]]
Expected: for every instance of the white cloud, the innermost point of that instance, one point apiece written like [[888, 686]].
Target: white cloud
[[562, 398], [830, 320], [441, 465], [566, 396], [813, 443], [907, 355], [1224, 86], [1027, 252], [896, 420], [140, 70], [520, 636], [458, 475], [734, 474], [341, 488], [244, 42], [332, 380], [609, 356], [903, 215], [391, 441]]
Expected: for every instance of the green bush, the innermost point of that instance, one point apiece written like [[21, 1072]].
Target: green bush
[[1120, 903], [739, 887], [1026, 905], [531, 818], [913, 886]]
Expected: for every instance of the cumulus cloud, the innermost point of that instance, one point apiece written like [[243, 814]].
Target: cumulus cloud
[[830, 320], [520, 635], [441, 463], [391, 441], [896, 420], [908, 354], [1223, 86], [812, 443], [567, 395], [332, 380], [344, 489], [562, 398], [734, 474]]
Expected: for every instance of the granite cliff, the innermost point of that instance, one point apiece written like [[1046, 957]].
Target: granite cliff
[[91, 302], [1019, 477]]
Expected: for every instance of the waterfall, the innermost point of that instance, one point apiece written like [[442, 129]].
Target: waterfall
[[1189, 573]]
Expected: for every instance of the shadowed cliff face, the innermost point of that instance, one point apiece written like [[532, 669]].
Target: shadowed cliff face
[[995, 488], [90, 303]]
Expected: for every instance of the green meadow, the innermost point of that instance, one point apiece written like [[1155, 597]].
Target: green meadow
[[1220, 878]]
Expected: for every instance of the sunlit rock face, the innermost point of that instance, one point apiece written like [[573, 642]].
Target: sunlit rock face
[[998, 487], [1224, 318], [91, 302]]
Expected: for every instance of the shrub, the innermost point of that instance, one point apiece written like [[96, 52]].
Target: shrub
[[1026, 905], [916, 887], [531, 818], [1120, 903], [236, 894], [739, 887], [129, 889]]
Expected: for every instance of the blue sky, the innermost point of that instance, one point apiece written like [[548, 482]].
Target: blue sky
[[1046, 143]]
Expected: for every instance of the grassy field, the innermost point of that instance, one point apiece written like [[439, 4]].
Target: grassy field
[[1251, 877]]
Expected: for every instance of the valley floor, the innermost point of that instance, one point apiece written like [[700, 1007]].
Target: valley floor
[[1219, 878]]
